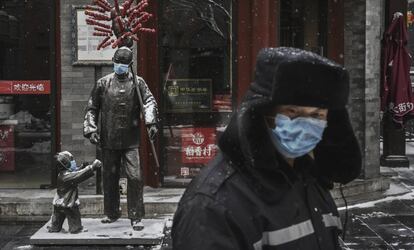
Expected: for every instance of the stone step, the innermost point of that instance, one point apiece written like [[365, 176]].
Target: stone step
[[36, 205], [362, 190]]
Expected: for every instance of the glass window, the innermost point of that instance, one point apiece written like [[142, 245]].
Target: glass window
[[196, 55], [303, 24], [25, 73]]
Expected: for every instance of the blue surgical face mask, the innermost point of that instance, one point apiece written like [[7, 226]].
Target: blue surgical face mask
[[73, 166], [296, 137], [120, 68]]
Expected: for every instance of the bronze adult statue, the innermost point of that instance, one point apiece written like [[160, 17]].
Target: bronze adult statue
[[114, 101]]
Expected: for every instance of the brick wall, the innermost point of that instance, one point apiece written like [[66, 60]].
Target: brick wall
[[77, 82], [363, 29]]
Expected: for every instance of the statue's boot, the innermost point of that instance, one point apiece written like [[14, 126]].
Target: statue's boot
[[108, 219], [76, 231], [137, 225], [51, 229]]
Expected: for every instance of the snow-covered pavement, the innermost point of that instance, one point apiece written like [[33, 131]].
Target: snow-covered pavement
[[387, 223]]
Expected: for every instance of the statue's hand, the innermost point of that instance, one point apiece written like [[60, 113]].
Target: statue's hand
[[94, 139], [152, 132], [96, 164]]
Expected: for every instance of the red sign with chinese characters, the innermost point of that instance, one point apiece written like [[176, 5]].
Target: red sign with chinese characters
[[25, 87], [198, 145]]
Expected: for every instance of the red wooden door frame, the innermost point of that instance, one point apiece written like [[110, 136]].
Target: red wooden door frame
[[57, 91], [58, 74], [148, 68], [256, 28], [336, 30]]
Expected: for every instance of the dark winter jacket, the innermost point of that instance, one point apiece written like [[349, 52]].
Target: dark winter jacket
[[249, 197], [116, 101], [67, 186]]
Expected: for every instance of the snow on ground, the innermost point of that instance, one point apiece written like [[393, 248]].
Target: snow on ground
[[396, 189], [396, 170], [407, 196], [373, 214], [27, 247], [409, 148], [399, 190]]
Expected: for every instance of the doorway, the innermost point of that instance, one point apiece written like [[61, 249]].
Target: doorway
[[196, 49]]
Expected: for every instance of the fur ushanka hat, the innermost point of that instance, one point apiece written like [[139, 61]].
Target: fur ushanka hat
[[290, 76], [297, 77]]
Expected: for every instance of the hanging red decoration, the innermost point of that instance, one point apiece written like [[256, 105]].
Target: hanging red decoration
[[127, 21]]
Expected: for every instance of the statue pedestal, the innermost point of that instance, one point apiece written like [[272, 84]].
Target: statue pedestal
[[97, 233]]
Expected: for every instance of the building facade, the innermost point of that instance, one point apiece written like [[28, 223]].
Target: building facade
[[198, 65]]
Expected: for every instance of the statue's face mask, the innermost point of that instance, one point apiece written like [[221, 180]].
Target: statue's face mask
[[120, 68], [64, 159]]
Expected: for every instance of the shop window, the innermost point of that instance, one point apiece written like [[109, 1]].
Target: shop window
[[303, 24], [25, 100], [196, 72]]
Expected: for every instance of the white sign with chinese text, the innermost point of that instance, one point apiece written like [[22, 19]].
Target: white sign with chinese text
[[88, 43]]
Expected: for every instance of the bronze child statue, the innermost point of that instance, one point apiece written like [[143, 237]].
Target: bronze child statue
[[66, 202]]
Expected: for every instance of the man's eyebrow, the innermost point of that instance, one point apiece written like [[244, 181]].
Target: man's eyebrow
[[317, 111]]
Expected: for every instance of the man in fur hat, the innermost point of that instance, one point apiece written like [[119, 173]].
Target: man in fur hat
[[289, 141]]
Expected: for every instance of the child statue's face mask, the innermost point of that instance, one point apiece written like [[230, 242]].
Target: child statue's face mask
[[73, 166]]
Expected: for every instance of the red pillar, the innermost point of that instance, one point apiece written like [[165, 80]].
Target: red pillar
[[244, 35], [148, 68], [336, 30], [57, 91], [256, 29]]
